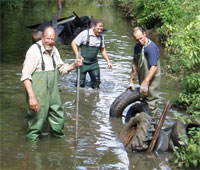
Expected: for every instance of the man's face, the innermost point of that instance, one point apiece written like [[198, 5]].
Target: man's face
[[98, 29], [140, 37], [48, 39]]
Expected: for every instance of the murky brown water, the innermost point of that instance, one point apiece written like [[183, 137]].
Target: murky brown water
[[98, 146]]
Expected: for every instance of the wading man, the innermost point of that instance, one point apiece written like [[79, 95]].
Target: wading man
[[90, 41], [146, 64], [40, 77]]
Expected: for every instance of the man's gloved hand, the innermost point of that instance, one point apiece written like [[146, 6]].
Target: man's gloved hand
[[131, 86], [144, 88]]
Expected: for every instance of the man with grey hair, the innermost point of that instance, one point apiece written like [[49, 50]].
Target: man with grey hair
[[90, 42], [146, 64], [40, 77]]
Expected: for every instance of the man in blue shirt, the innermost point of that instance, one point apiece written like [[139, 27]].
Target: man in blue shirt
[[146, 64]]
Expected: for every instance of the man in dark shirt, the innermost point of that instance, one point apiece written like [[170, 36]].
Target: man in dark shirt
[[146, 64]]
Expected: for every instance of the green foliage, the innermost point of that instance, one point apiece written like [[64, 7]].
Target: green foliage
[[190, 97], [185, 47], [156, 13], [10, 4], [188, 154]]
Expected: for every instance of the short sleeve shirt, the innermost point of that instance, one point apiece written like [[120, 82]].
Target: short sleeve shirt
[[94, 41], [151, 52]]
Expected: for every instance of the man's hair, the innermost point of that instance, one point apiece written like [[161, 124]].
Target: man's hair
[[48, 27], [98, 21], [138, 29]]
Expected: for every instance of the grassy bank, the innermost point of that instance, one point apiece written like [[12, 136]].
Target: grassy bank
[[178, 22]]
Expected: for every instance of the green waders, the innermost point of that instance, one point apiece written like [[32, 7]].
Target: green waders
[[153, 94], [45, 88], [90, 65]]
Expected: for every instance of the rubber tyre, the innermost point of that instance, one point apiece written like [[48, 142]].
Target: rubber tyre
[[180, 129], [162, 142], [123, 100], [137, 108], [141, 127]]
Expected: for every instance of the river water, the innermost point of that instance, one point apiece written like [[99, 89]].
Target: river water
[[98, 146]]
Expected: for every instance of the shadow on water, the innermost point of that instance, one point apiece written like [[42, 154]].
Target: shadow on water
[[98, 146]]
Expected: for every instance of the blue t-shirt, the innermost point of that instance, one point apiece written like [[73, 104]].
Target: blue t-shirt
[[151, 52]]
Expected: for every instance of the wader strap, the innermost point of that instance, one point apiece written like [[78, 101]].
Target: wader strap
[[88, 40], [43, 66], [54, 63], [143, 55], [101, 41], [142, 61]]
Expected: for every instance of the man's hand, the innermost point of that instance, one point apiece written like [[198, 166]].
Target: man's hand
[[131, 86], [144, 88], [109, 65], [33, 104], [78, 62]]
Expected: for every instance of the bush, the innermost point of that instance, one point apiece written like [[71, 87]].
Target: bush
[[11, 4], [184, 44], [188, 154]]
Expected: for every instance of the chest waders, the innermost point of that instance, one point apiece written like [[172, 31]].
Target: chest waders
[[152, 97], [45, 88], [90, 64]]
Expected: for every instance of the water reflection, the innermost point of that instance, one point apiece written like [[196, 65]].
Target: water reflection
[[149, 161]]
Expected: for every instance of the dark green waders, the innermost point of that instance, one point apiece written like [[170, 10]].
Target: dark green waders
[[45, 87], [90, 65], [153, 94]]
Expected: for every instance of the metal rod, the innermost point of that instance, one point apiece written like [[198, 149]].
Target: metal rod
[[66, 20], [159, 126], [77, 101], [54, 21]]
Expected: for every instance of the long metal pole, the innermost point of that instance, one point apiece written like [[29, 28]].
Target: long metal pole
[[77, 101]]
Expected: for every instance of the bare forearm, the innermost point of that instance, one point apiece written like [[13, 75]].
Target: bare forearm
[[33, 104], [105, 56], [75, 49], [75, 64], [71, 67], [28, 88], [133, 73], [151, 73]]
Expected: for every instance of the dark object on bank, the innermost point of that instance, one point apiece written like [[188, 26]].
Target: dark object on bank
[[68, 27]]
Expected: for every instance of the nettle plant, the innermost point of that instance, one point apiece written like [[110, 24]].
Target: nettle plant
[[188, 154]]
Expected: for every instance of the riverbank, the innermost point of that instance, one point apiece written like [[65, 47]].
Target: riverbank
[[178, 22]]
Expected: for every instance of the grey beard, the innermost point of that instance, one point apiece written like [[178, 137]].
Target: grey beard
[[48, 48]]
